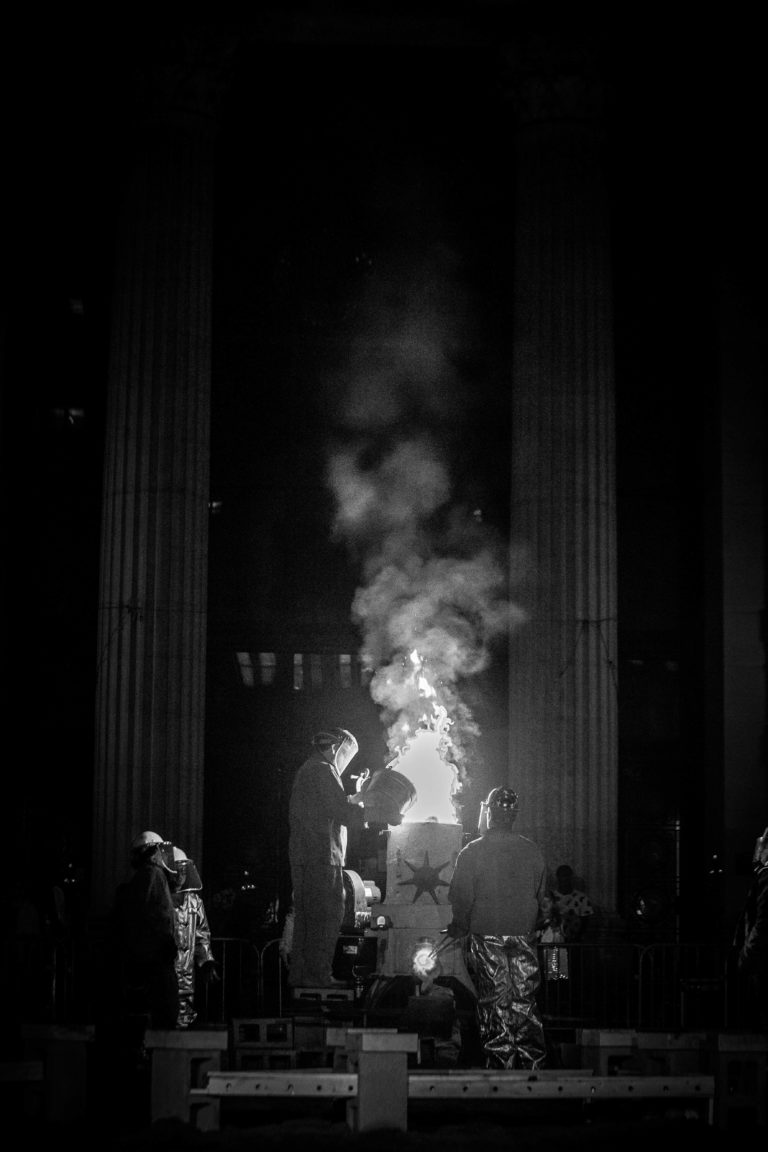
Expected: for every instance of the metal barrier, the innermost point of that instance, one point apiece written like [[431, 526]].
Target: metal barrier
[[589, 985], [654, 987], [238, 991], [687, 987], [273, 984]]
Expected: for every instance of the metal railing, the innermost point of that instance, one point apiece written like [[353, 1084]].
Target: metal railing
[[686, 987], [238, 990], [669, 987], [589, 985], [649, 987]]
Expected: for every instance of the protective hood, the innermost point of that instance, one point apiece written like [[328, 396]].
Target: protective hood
[[188, 877]]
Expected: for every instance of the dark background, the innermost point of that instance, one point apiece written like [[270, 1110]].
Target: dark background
[[342, 163]]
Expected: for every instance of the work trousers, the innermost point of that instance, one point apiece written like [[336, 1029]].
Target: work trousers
[[318, 913], [506, 975]]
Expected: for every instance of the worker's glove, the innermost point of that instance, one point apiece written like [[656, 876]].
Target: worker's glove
[[210, 972], [362, 780], [453, 931]]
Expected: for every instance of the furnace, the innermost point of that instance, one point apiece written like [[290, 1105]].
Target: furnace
[[415, 910]]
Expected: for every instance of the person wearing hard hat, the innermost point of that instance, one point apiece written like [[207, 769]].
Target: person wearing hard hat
[[193, 936], [320, 816], [499, 896], [145, 933]]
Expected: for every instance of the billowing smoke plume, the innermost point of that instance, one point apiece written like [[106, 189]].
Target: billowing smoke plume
[[435, 576]]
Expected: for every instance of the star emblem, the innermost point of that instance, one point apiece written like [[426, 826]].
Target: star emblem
[[426, 878]]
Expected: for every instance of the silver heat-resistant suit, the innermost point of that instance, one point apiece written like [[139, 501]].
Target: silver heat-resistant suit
[[193, 938]]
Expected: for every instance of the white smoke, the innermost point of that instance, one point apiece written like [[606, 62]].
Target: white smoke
[[435, 576]]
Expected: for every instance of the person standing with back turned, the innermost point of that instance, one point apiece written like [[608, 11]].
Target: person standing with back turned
[[499, 896]]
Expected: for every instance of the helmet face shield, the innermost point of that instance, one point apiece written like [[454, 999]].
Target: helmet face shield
[[499, 809], [149, 845], [339, 745], [165, 857], [147, 839], [188, 877], [482, 820]]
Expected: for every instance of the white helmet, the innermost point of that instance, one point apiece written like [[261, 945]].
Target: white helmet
[[146, 844], [179, 854], [145, 838]]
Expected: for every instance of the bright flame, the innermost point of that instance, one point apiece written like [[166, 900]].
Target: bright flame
[[425, 962], [421, 758]]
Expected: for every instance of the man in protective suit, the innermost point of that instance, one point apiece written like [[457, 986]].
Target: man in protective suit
[[320, 816], [499, 896], [193, 936]]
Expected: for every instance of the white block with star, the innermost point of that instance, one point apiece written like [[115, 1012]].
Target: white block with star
[[420, 862]]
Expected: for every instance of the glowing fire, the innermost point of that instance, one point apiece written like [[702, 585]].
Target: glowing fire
[[422, 756], [425, 963]]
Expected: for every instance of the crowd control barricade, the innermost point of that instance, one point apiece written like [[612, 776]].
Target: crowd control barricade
[[273, 980], [237, 992], [589, 985], [665, 986], [684, 987]]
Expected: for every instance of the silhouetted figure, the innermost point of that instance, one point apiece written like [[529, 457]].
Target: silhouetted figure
[[570, 913], [137, 984], [144, 934], [751, 937], [571, 907]]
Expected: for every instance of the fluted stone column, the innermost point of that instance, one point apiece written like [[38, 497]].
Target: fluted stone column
[[153, 587], [563, 718]]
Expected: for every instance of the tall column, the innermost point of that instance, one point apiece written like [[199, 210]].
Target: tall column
[[150, 691], [563, 716], [737, 647]]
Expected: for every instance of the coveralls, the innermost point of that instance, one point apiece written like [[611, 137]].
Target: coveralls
[[319, 815], [498, 894]]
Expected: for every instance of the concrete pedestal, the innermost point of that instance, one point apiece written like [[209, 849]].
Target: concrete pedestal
[[742, 1080], [380, 1059], [181, 1061], [64, 1055]]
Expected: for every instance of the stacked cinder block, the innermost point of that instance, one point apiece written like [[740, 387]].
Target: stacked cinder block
[[263, 1043], [276, 1043]]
